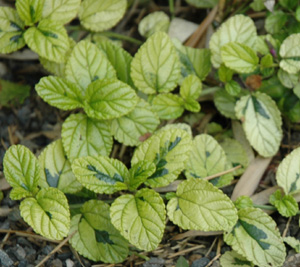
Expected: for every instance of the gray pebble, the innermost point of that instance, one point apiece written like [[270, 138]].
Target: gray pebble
[[69, 263], [47, 249], [19, 252], [24, 242], [30, 254], [201, 262], [23, 263], [56, 263], [5, 260], [154, 262]]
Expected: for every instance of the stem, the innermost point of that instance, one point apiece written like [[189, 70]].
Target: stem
[[122, 37], [264, 207], [171, 7], [139, 255]]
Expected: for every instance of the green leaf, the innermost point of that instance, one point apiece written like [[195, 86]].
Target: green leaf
[[139, 173], [238, 28], [203, 3], [235, 154], [49, 39], [13, 93], [289, 4], [154, 22], [267, 61], [206, 158], [21, 170], [296, 90], [168, 149], [264, 44], [109, 99], [225, 74], [87, 63], [130, 129], [201, 206], [83, 136], [140, 218], [155, 67], [168, 106], [261, 122], [48, 213], [30, 11], [287, 79], [225, 104], [256, 237], [257, 5], [288, 173], [231, 258], [101, 15], [297, 14], [182, 262], [243, 202], [11, 30], [239, 57], [61, 11], [190, 88], [56, 169], [290, 54], [97, 239], [233, 88], [293, 242], [193, 61], [59, 93], [120, 60], [101, 174], [276, 21], [286, 205]]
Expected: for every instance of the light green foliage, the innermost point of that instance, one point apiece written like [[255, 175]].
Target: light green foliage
[[256, 237], [297, 14], [61, 11], [193, 60], [190, 90], [225, 103], [154, 22], [140, 218], [239, 57], [266, 61], [286, 205], [30, 11], [257, 5], [55, 169], [296, 90], [12, 93], [261, 122], [293, 242], [109, 99], [119, 58], [168, 106], [290, 53], [100, 15], [83, 136], [238, 28], [182, 262], [130, 128], [97, 239], [263, 42], [11, 30], [231, 258], [275, 21], [287, 79], [101, 174], [168, 149], [87, 64], [243, 202], [233, 88], [139, 173], [48, 213], [155, 67], [1, 196], [225, 73], [21, 170], [288, 173], [203, 3], [59, 93], [206, 158], [199, 205], [235, 154], [49, 39]]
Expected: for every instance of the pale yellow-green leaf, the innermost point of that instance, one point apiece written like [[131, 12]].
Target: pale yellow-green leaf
[[49, 39], [62, 11], [11, 30], [100, 15], [154, 22], [101, 174], [56, 169], [293, 242], [30, 11], [83, 136], [130, 129], [225, 103], [88, 63], [96, 238], [261, 122], [155, 67], [238, 28], [203, 3], [288, 80], [191, 88], [168, 106], [139, 173], [199, 205], [256, 237], [169, 150], [233, 259], [290, 54], [140, 218], [48, 213]]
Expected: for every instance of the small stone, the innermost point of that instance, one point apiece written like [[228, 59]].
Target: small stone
[[31, 254], [5, 225], [23, 263], [56, 263], [47, 249], [64, 256], [154, 262], [5, 260], [14, 215], [201, 262], [69, 263], [20, 253], [24, 242]]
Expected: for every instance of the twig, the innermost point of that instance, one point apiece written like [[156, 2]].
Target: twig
[[286, 227], [214, 259], [185, 251], [211, 247], [4, 240], [56, 249]]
